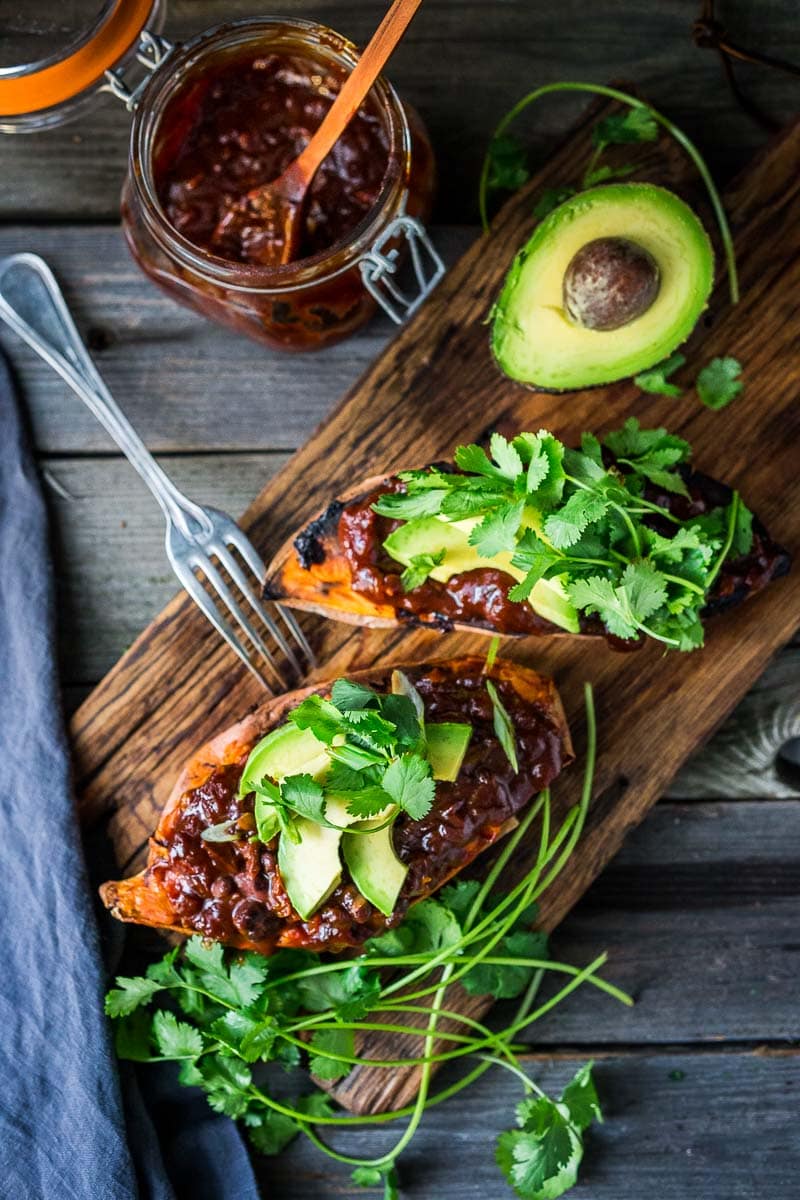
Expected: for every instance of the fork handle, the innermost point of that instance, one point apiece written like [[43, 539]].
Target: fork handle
[[32, 304]]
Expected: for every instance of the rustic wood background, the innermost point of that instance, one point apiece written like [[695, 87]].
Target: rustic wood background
[[699, 911]]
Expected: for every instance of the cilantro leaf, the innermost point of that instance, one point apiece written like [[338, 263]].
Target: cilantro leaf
[[129, 994], [225, 1081], [506, 456], [655, 380], [369, 801], [549, 199], [375, 1176], [347, 695], [474, 459], [503, 726], [498, 530], [320, 716], [351, 993], [409, 782], [719, 382], [304, 795], [541, 1159], [406, 712], [580, 1098], [631, 441], [508, 168], [326, 1046], [583, 508], [420, 568], [504, 982], [539, 451], [174, 1038], [535, 557], [633, 125], [132, 1036], [273, 1132], [405, 505], [604, 173]]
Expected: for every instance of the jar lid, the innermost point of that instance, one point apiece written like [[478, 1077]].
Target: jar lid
[[50, 53]]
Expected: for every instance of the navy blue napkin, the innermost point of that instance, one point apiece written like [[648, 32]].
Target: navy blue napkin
[[71, 1128]]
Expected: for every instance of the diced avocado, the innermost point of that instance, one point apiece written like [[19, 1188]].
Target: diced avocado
[[287, 750], [374, 867], [611, 282], [428, 535], [447, 745], [311, 868]]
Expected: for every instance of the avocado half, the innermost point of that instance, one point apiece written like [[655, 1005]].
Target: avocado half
[[630, 248]]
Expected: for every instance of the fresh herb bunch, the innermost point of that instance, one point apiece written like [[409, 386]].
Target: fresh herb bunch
[[221, 1014], [505, 163], [568, 514], [376, 749]]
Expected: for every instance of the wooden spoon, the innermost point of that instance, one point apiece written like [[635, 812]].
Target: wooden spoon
[[278, 206]]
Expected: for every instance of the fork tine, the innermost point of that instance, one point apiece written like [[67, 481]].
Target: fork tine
[[223, 591], [236, 538], [210, 610], [240, 579]]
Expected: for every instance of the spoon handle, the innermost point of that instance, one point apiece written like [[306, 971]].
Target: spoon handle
[[355, 87]]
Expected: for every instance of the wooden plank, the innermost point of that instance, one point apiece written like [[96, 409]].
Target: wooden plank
[[112, 573], [76, 171], [712, 1126], [172, 371], [653, 711]]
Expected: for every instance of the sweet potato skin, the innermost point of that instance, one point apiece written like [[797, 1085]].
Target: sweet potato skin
[[141, 900]]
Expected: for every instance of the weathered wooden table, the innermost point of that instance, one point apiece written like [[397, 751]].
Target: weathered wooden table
[[700, 912]]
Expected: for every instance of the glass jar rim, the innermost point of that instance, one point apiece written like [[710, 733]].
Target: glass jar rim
[[249, 277]]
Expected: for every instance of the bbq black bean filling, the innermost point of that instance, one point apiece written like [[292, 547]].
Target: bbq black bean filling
[[232, 891], [480, 597]]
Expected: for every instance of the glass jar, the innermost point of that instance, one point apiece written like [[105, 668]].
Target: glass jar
[[306, 304], [315, 300]]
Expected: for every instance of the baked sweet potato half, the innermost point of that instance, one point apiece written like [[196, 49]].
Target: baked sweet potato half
[[210, 873], [620, 539]]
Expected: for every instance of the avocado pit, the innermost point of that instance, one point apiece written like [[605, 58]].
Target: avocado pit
[[609, 283]]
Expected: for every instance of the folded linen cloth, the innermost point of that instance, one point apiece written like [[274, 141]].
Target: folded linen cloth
[[71, 1128]]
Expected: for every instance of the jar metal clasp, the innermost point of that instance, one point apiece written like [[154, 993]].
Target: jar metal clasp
[[150, 54], [379, 267]]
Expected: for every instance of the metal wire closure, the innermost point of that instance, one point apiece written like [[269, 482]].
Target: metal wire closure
[[153, 49], [379, 269]]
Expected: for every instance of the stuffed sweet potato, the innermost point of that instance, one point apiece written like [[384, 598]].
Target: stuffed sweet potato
[[218, 863]]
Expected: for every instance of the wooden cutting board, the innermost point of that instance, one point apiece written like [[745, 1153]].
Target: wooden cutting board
[[434, 387]]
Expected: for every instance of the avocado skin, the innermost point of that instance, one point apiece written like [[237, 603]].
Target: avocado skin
[[669, 208]]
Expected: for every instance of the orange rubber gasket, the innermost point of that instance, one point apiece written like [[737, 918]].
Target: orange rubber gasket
[[53, 85]]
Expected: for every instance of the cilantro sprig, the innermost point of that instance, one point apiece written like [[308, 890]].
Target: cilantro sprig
[[227, 1019], [598, 519], [375, 746]]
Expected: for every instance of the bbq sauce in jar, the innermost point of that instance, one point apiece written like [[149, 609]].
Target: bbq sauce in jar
[[238, 106], [239, 128]]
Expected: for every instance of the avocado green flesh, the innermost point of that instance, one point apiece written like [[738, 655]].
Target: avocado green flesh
[[446, 746], [311, 868], [287, 750], [533, 339], [429, 535], [374, 867]]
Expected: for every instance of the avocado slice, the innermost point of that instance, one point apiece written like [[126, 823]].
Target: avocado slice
[[311, 868], [610, 283], [447, 744], [287, 750], [374, 866], [429, 535]]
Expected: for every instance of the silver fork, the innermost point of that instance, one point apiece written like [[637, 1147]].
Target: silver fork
[[201, 542]]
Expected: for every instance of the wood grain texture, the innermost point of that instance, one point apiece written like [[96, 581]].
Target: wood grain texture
[[435, 386], [713, 1126], [171, 370], [494, 54]]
